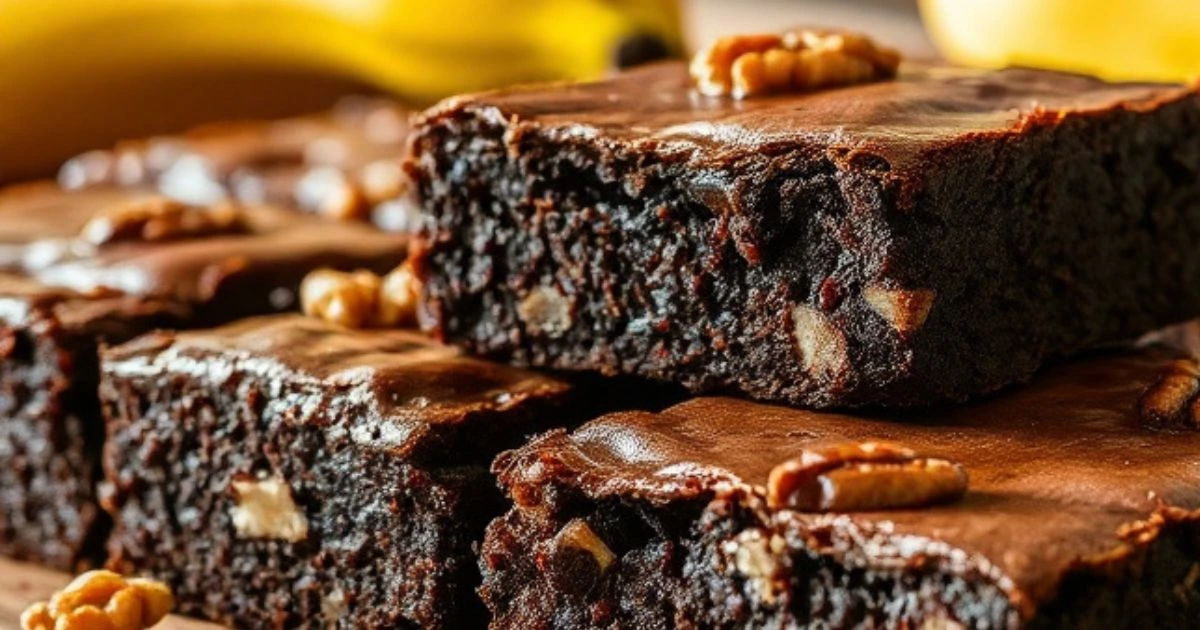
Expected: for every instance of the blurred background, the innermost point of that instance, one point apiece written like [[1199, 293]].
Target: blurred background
[[81, 74]]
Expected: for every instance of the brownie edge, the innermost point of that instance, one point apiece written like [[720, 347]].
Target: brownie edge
[[285, 472], [902, 243], [1076, 515]]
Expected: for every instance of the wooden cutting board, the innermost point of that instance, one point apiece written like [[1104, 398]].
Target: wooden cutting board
[[24, 584]]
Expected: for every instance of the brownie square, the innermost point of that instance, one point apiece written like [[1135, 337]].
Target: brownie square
[[284, 472], [1081, 510], [907, 242], [62, 296]]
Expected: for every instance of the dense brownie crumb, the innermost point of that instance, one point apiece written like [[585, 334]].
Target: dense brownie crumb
[[1077, 515], [908, 242], [63, 294], [380, 441], [51, 431]]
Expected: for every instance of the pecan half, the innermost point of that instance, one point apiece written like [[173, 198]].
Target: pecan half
[[157, 218], [100, 600], [805, 59], [1172, 401], [851, 477]]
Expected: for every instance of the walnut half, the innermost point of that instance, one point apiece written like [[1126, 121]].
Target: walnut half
[[805, 59], [102, 600]]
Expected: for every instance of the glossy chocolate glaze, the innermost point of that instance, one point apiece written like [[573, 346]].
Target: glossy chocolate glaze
[[255, 161], [1057, 469], [656, 108], [40, 225], [412, 387]]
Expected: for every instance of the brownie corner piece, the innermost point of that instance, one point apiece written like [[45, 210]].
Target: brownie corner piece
[[907, 242], [1082, 517], [285, 471]]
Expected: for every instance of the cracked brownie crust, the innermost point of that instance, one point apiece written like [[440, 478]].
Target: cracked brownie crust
[[1077, 515], [906, 242]]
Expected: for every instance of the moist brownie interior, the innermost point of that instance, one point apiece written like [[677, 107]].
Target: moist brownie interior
[[906, 242], [1079, 512]]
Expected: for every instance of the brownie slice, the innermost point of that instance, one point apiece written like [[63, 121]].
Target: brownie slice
[[898, 243], [284, 472], [62, 295], [344, 163], [1080, 512]]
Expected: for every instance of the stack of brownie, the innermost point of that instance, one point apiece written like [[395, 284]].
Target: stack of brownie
[[855, 356]]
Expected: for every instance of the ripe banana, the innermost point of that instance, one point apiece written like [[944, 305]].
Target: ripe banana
[[1157, 40], [79, 73]]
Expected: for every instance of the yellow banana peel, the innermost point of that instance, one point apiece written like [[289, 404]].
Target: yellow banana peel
[[1153, 40], [78, 71]]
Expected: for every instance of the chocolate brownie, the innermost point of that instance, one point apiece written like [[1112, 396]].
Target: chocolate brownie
[[344, 162], [74, 274], [1065, 504], [285, 472], [906, 242]]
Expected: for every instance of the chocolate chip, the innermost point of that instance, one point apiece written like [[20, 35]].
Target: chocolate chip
[[851, 477]]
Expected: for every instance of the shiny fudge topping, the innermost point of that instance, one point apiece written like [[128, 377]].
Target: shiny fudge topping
[[43, 236], [1063, 472], [403, 385], [311, 162], [657, 108]]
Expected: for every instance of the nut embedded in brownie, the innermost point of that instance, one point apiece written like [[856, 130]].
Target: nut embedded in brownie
[[912, 241], [103, 265], [286, 472], [1051, 506]]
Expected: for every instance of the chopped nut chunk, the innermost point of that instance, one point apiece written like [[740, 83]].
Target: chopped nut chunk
[[1173, 400], [157, 218], [750, 65], [361, 299], [346, 299], [863, 476], [398, 297], [102, 600]]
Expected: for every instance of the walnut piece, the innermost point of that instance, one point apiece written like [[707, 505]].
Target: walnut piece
[[361, 299], [102, 600], [398, 296], [347, 299], [760, 557], [265, 509], [904, 309], [157, 218], [545, 311], [577, 558], [851, 477], [1173, 400], [821, 345], [750, 65]]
